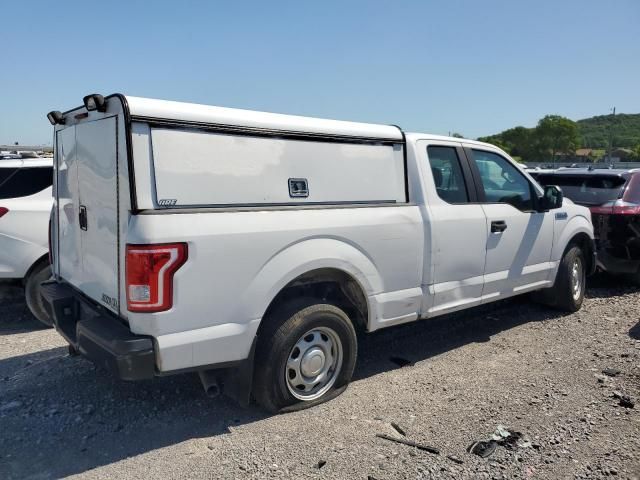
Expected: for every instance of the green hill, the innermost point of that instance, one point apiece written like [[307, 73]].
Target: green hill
[[594, 131], [555, 135]]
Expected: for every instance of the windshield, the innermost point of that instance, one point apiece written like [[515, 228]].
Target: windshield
[[587, 189]]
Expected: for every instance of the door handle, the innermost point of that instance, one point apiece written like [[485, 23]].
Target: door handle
[[498, 226], [82, 217]]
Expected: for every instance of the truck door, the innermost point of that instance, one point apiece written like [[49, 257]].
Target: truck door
[[456, 230], [520, 239], [87, 209]]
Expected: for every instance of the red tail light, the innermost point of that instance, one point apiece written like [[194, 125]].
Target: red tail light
[[150, 270], [602, 210], [618, 207], [626, 209], [3, 211]]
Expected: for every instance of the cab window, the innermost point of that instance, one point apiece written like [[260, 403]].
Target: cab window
[[447, 174], [502, 181]]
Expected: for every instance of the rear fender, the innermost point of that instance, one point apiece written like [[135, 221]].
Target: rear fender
[[302, 257]]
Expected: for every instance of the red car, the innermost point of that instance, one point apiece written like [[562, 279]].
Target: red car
[[613, 196]]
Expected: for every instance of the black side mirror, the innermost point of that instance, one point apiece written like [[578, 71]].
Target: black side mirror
[[551, 199]]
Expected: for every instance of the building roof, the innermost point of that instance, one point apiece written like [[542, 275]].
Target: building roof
[[584, 152]]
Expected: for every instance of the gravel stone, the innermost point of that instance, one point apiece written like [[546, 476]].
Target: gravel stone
[[464, 375]]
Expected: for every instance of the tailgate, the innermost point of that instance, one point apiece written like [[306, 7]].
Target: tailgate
[[87, 208]]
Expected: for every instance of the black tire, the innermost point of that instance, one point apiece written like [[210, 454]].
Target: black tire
[[567, 293], [283, 331], [38, 274]]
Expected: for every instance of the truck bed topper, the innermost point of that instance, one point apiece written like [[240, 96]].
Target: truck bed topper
[[165, 120], [193, 114]]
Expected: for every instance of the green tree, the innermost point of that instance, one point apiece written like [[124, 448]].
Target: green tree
[[521, 142], [556, 134], [457, 135]]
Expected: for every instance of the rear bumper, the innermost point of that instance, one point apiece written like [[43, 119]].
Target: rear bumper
[[613, 264], [98, 335]]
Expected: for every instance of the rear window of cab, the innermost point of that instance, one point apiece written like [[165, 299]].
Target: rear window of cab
[[587, 189]]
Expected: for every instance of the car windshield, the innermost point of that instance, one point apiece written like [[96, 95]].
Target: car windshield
[[587, 189]]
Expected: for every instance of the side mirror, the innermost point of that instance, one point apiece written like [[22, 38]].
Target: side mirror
[[551, 199]]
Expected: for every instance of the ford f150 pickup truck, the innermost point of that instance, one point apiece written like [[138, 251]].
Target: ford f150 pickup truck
[[250, 247]]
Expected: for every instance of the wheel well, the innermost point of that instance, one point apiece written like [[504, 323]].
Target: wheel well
[[328, 285], [585, 243], [36, 264]]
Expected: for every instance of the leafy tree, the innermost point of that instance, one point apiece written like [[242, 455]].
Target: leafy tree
[[556, 134], [457, 135], [518, 141], [495, 140]]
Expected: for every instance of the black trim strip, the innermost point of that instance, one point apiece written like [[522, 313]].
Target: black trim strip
[[128, 136], [271, 207], [263, 132], [404, 159], [477, 178], [469, 180]]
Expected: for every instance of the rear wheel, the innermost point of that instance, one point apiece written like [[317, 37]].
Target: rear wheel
[[40, 273], [305, 356], [568, 290]]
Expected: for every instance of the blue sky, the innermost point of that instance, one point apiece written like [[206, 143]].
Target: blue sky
[[474, 67]]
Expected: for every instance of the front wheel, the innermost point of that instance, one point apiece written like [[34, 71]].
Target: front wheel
[[567, 293], [304, 357], [40, 273]]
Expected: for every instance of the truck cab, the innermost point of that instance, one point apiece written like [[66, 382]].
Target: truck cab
[[250, 247]]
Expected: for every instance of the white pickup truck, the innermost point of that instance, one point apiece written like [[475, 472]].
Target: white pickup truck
[[251, 247]]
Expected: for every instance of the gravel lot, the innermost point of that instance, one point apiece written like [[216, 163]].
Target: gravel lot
[[514, 364]]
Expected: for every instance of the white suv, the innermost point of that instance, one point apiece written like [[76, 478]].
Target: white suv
[[25, 206]]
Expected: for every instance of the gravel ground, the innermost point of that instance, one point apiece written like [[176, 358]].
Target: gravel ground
[[514, 364]]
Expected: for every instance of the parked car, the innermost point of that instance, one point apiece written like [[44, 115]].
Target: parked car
[[613, 196], [25, 206], [536, 172], [251, 246]]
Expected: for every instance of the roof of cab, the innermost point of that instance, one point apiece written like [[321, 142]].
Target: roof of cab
[[140, 108]]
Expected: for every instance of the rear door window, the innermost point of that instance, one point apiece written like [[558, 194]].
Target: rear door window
[[22, 182], [447, 174], [587, 189]]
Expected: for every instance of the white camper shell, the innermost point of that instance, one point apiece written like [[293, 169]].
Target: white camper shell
[[191, 237]]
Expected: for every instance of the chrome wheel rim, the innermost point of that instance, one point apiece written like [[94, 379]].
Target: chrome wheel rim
[[576, 278], [313, 364]]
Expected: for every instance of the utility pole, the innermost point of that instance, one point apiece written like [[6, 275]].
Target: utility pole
[[611, 136]]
